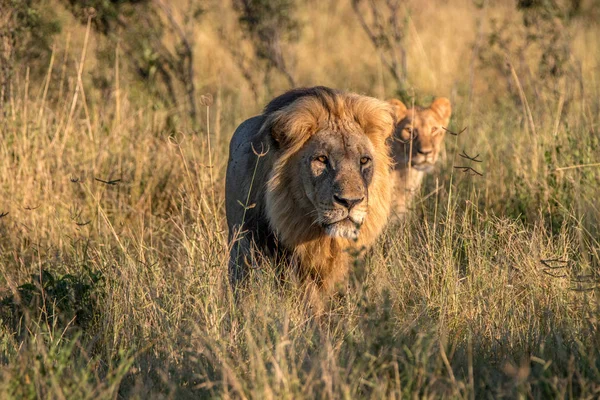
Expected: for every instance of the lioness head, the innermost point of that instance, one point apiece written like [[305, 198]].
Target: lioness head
[[332, 163], [420, 130]]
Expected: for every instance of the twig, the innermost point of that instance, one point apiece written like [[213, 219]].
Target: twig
[[468, 157], [469, 169], [186, 53], [454, 133], [591, 278], [546, 263], [554, 275], [378, 37], [4, 214], [109, 182], [588, 289]]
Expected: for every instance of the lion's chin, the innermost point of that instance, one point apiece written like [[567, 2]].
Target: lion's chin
[[345, 229], [423, 167]]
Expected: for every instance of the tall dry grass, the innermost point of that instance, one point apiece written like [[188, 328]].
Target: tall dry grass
[[113, 250]]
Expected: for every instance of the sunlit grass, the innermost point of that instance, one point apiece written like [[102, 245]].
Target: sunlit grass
[[488, 289]]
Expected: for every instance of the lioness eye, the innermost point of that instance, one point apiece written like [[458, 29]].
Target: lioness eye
[[322, 159], [407, 133], [364, 160], [434, 130]]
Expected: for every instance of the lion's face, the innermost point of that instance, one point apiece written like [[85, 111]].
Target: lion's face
[[419, 133], [336, 171], [331, 167]]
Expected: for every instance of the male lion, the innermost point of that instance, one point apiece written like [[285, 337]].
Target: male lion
[[417, 141], [308, 182]]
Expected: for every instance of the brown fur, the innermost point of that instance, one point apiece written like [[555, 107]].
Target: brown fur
[[427, 133], [275, 225]]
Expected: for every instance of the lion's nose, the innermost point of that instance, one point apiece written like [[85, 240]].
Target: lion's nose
[[425, 151], [347, 202]]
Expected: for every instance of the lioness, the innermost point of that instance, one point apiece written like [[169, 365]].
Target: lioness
[[416, 144], [307, 181]]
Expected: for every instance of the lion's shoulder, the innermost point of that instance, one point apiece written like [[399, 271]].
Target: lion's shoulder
[[244, 135]]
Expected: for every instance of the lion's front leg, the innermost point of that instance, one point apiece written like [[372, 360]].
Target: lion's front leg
[[240, 261]]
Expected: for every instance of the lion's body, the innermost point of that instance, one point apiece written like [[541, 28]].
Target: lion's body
[[417, 142], [277, 208], [407, 183]]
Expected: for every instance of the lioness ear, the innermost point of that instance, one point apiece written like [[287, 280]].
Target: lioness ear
[[399, 109], [441, 106]]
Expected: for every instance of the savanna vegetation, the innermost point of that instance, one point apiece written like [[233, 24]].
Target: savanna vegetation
[[115, 118]]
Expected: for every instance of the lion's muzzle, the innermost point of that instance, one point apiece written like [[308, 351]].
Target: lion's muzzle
[[347, 201], [423, 160], [424, 166], [345, 218]]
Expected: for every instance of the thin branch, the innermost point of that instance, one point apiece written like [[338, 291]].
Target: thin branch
[[468, 157], [388, 60], [454, 133], [562, 263], [185, 59], [109, 182], [469, 170], [554, 275], [588, 289]]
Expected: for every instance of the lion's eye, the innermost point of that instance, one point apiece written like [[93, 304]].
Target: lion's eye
[[322, 159], [364, 160], [408, 133], [434, 130]]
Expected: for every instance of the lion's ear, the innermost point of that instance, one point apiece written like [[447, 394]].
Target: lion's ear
[[398, 108], [276, 129], [375, 117], [287, 128], [441, 106]]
